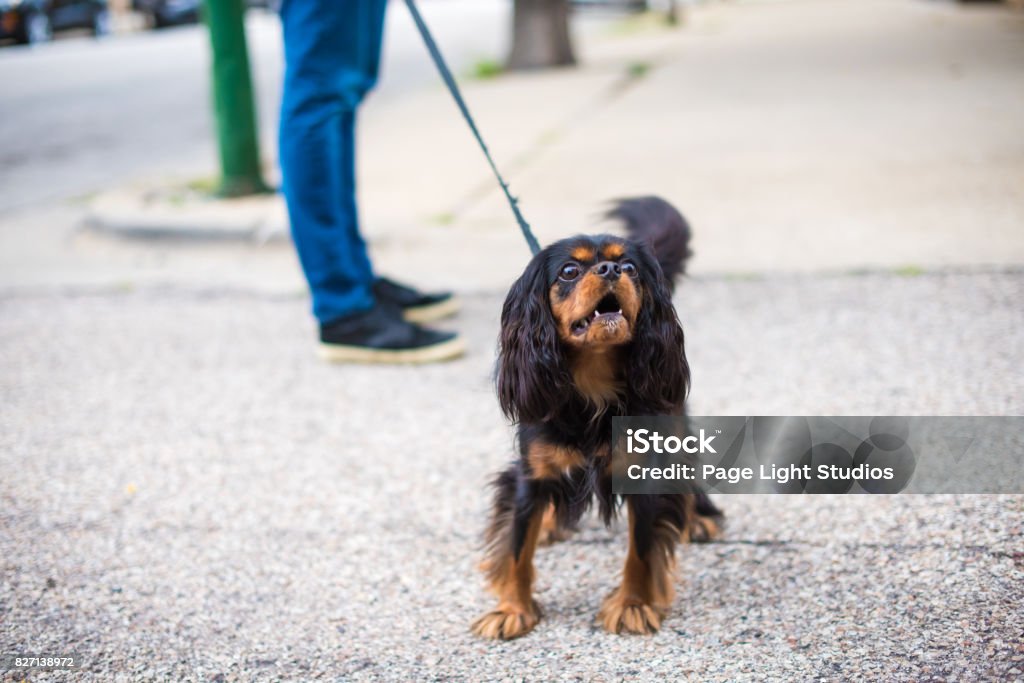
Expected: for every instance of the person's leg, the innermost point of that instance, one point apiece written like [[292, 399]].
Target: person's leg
[[368, 17], [332, 53]]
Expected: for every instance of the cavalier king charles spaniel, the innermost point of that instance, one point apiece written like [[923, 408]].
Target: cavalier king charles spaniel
[[589, 332]]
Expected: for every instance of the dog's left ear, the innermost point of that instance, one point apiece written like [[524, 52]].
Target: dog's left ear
[[658, 374]]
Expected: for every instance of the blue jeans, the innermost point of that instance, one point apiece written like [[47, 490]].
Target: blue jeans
[[332, 53]]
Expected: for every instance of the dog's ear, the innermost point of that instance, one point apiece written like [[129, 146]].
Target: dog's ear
[[532, 374], [658, 374]]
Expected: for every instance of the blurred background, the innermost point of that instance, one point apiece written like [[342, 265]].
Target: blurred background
[[795, 135]]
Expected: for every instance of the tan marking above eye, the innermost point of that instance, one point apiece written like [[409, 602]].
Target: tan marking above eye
[[612, 252], [582, 254]]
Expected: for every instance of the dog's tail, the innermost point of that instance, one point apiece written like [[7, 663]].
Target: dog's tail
[[659, 224]]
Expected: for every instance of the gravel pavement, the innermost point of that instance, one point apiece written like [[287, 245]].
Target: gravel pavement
[[188, 494]]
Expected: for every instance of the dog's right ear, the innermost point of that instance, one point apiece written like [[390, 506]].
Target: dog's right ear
[[532, 375]]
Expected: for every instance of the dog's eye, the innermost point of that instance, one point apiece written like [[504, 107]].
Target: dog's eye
[[570, 271], [628, 268]]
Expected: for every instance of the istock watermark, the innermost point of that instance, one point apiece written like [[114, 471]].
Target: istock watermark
[[836, 454], [644, 441]]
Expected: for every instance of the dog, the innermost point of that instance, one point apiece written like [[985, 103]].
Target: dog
[[589, 332]]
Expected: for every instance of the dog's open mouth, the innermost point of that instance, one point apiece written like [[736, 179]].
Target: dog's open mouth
[[607, 310]]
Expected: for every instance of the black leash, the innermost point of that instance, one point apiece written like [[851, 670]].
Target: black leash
[[453, 88]]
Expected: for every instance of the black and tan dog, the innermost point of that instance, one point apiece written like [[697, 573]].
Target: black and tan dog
[[589, 332]]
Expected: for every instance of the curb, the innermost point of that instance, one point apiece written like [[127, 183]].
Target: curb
[[175, 213]]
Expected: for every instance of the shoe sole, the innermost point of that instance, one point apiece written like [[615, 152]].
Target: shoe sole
[[432, 312], [338, 353]]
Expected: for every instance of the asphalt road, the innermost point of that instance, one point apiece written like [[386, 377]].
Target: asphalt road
[[79, 115], [189, 494]]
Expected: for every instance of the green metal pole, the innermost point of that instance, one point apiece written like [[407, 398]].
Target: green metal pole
[[237, 134]]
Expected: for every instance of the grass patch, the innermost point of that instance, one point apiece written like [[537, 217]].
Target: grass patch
[[643, 22], [85, 198], [177, 199], [208, 185], [638, 70], [485, 69], [445, 218], [909, 271]]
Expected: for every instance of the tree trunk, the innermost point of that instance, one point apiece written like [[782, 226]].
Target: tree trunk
[[540, 35]]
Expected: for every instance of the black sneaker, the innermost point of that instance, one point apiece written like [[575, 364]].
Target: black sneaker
[[416, 307], [380, 335]]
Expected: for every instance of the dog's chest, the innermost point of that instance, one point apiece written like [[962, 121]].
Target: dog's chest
[[598, 378]]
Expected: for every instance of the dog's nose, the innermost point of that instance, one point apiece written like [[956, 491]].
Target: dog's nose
[[608, 270]]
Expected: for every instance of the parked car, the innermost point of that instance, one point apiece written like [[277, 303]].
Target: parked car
[[164, 13], [34, 21]]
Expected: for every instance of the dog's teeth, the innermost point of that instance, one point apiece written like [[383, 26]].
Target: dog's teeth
[[619, 311]]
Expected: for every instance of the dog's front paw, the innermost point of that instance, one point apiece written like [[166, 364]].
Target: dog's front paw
[[507, 622], [629, 615]]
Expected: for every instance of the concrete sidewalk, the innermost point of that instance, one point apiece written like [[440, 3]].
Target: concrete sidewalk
[[797, 136]]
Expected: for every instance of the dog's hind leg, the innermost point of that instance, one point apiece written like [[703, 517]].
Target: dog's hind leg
[[643, 598], [512, 538], [551, 531], [704, 520]]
